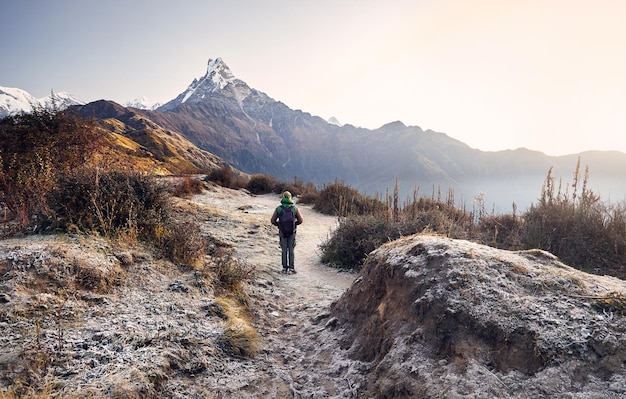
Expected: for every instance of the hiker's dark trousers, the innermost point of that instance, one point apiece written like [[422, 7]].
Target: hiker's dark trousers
[[287, 245]]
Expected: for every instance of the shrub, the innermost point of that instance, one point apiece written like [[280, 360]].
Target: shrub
[[109, 202], [261, 184], [225, 176], [188, 187], [35, 148], [181, 242], [501, 231], [342, 200], [579, 228], [354, 238], [230, 273]]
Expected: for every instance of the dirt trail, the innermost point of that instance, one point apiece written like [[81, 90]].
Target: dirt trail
[[299, 351], [256, 241]]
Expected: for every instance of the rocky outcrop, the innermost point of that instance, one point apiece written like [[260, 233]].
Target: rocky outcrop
[[439, 318]]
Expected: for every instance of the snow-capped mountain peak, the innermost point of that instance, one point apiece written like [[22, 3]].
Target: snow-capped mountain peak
[[60, 100], [334, 121], [143, 103], [218, 79], [219, 73], [14, 100]]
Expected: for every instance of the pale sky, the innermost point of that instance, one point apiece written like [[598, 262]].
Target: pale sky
[[548, 75]]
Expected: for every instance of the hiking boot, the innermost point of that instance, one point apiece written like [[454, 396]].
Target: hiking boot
[[284, 271], [292, 270]]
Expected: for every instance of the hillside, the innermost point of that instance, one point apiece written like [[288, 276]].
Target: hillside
[[138, 143], [428, 317]]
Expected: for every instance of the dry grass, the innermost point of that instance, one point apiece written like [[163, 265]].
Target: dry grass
[[577, 227], [240, 338], [615, 302], [229, 273], [17, 391]]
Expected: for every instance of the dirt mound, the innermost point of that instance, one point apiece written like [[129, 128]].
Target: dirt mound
[[436, 317]]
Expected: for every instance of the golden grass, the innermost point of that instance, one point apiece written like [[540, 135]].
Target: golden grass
[[240, 338]]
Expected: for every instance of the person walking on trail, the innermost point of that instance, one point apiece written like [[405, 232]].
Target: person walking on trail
[[287, 216]]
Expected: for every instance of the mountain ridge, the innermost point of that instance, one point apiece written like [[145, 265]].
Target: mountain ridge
[[262, 135], [254, 133], [14, 100]]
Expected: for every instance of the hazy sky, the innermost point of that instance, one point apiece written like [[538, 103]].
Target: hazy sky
[[496, 74]]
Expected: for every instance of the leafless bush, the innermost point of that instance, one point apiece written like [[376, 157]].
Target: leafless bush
[[225, 176], [578, 227], [188, 187], [500, 231], [35, 148], [109, 202], [261, 184], [342, 200], [229, 272], [181, 242]]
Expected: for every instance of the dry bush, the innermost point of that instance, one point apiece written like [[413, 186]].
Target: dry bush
[[34, 149], [342, 200], [354, 238], [359, 234], [188, 187], [229, 273], [261, 184], [578, 227], [225, 176], [182, 242], [307, 193], [308, 197], [126, 206], [98, 279], [501, 231], [109, 202]]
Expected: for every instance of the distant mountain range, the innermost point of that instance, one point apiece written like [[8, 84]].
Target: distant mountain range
[[221, 115], [13, 100]]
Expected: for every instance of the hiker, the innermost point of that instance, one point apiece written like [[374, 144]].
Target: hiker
[[287, 216]]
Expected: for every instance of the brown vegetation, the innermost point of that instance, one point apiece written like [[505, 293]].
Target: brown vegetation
[[35, 149], [578, 227]]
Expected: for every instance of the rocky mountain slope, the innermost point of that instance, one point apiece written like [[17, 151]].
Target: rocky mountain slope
[[428, 317]]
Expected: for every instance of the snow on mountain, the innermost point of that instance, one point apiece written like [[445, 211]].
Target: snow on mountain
[[334, 121], [14, 100], [218, 78], [61, 100], [143, 103]]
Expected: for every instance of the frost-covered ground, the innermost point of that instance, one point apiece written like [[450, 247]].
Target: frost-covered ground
[[428, 317], [82, 317], [444, 318]]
